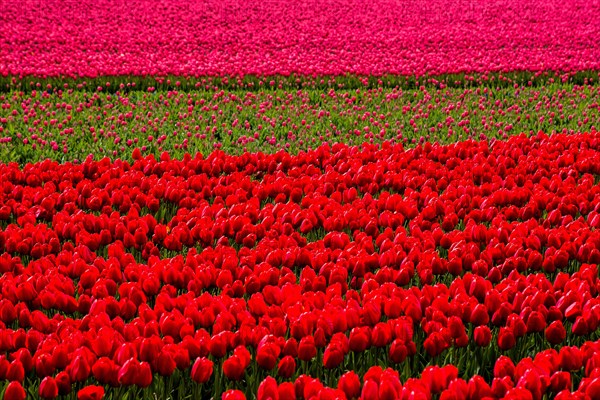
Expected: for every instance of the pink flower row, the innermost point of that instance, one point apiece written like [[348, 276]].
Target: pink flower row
[[216, 37]]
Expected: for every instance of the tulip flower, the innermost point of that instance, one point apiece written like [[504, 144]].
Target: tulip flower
[[91, 393], [202, 370]]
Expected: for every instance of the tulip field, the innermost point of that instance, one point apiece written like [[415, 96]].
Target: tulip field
[[317, 199]]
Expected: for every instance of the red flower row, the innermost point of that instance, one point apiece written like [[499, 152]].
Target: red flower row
[[117, 273]]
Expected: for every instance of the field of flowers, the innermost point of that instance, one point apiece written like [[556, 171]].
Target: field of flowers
[[266, 37], [67, 123], [313, 199], [465, 270]]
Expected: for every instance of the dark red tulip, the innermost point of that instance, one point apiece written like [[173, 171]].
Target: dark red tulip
[[79, 369], [555, 332], [105, 371], [15, 371], [536, 322], [333, 356], [482, 335], [506, 339], [64, 383], [202, 370], [91, 392], [559, 381], [165, 363], [504, 367], [48, 388], [306, 348], [287, 367], [359, 339]]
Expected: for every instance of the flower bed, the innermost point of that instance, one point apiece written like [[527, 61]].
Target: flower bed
[[225, 37], [70, 122], [464, 271]]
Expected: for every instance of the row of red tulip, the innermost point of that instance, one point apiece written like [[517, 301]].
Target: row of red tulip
[[548, 372], [227, 269]]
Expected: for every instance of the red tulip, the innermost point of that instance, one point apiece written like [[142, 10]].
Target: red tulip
[[536, 322], [306, 348], [268, 390], [349, 383], [135, 373], [165, 363], [389, 389], [435, 344], [570, 358], [333, 356], [381, 335], [267, 354], [580, 327], [560, 380], [482, 336], [150, 348], [63, 382], [291, 348], [506, 339], [286, 391], [370, 390], [44, 366], [501, 385], [479, 315], [15, 371], [593, 389], [79, 369], [105, 371], [478, 388], [202, 370], [504, 367], [144, 375], [218, 345], [398, 351], [91, 393], [48, 388], [359, 339], [233, 394], [287, 367], [14, 391], [555, 332]]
